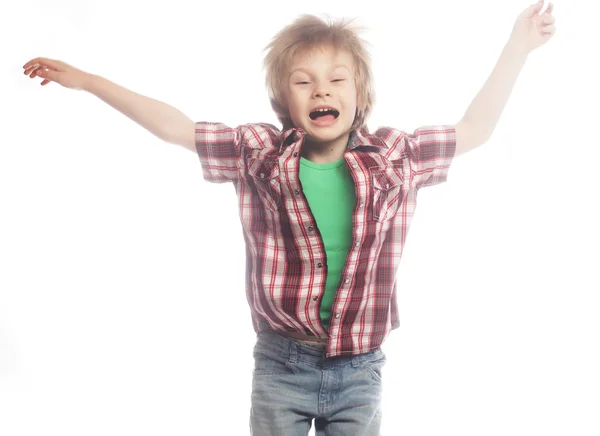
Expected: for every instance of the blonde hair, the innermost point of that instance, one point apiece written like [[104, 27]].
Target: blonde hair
[[308, 32]]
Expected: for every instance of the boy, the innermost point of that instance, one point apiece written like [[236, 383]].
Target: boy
[[325, 208]]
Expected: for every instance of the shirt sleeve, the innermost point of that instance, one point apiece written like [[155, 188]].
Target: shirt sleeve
[[219, 150], [430, 150]]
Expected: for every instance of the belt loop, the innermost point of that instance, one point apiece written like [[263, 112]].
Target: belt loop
[[293, 352], [355, 362]]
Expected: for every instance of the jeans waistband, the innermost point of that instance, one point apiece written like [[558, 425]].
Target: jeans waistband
[[270, 342]]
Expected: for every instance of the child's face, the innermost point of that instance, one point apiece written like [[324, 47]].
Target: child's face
[[322, 77]]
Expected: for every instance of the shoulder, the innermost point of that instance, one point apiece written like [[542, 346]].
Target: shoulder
[[260, 135], [426, 137], [385, 141], [387, 137]]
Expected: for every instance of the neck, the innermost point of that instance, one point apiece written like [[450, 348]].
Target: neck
[[325, 152]]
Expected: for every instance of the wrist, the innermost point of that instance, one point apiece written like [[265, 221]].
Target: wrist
[[516, 50], [88, 82]]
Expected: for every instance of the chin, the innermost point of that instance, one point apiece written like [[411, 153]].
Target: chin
[[324, 134]]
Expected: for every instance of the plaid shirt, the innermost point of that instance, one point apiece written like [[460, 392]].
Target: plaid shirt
[[286, 266]]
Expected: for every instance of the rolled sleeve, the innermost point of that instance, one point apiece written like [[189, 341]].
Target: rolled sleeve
[[219, 150], [430, 150]]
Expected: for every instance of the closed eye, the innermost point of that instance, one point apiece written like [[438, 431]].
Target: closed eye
[[338, 80], [302, 83]]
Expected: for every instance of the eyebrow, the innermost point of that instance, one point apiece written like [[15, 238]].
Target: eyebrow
[[307, 71]]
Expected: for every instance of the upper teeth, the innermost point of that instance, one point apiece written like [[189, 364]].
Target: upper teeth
[[323, 110]]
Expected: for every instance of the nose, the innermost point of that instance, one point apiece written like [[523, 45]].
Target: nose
[[322, 90], [322, 93]]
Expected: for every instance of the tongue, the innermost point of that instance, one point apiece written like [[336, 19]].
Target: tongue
[[325, 119]]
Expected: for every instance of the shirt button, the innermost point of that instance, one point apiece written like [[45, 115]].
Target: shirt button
[[357, 244], [296, 192], [310, 228], [320, 265], [337, 315], [315, 298], [354, 166], [362, 204], [347, 281], [295, 154]]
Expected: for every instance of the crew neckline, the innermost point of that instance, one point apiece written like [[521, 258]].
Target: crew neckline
[[323, 166]]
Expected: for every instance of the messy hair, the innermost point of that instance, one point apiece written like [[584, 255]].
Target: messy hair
[[308, 32]]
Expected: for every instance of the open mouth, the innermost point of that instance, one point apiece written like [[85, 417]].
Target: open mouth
[[326, 114]]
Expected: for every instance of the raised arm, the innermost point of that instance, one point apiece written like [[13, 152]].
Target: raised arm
[[531, 30], [160, 119]]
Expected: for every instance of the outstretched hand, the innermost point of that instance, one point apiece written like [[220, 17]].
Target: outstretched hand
[[533, 29], [51, 70]]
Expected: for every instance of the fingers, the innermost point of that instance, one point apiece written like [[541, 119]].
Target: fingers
[[41, 67], [37, 62], [42, 62], [31, 62], [38, 70], [533, 9], [536, 8], [33, 71], [549, 30], [547, 20]]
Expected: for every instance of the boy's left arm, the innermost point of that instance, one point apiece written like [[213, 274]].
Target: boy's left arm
[[531, 31]]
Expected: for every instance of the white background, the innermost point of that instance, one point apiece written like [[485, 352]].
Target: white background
[[122, 301]]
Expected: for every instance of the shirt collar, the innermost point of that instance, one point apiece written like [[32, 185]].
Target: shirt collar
[[357, 138]]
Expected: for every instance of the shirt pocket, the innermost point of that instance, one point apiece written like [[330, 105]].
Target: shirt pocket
[[387, 190], [264, 172]]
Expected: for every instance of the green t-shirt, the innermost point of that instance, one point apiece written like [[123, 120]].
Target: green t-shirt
[[329, 189]]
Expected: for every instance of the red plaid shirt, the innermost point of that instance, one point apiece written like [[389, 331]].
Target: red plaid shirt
[[286, 266]]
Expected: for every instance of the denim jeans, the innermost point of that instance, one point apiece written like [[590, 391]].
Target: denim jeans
[[293, 384]]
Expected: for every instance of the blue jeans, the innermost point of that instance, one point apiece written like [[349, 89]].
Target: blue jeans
[[293, 383]]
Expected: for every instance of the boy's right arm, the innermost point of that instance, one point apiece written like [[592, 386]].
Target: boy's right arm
[[160, 119], [164, 121]]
